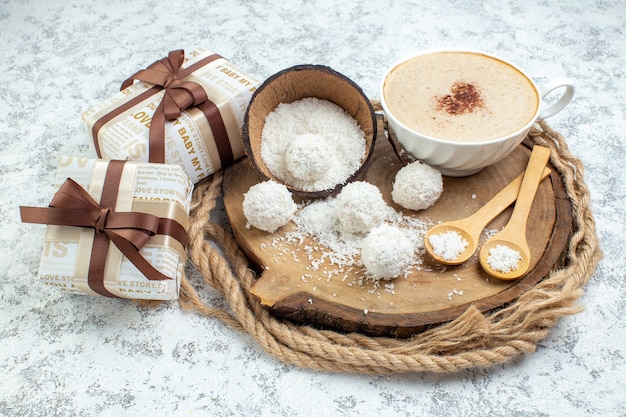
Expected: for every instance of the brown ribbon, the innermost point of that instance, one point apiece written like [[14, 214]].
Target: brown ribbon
[[179, 95], [163, 72], [129, 231]]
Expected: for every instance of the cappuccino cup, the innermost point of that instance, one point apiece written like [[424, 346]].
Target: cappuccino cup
[[460, 111]]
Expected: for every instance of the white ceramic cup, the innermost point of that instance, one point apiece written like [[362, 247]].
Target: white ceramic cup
[[458, 159]]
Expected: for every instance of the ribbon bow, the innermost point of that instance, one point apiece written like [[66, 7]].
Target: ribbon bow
[[179, 95], [129, 231]]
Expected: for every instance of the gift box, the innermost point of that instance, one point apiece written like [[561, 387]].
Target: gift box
[[115, 229], [185, 109]]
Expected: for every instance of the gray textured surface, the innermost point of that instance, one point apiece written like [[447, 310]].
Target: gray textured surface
[[69, 356]]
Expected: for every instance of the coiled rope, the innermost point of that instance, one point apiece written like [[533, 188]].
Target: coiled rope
[[472, 340]]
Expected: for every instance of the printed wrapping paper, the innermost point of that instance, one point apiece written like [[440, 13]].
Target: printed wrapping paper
[[185, 109], [141, 209]]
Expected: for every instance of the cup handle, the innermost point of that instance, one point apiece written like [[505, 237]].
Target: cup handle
[[560, 104]]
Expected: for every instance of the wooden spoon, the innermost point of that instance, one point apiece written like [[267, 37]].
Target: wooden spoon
[[470, 228], [513, 235]]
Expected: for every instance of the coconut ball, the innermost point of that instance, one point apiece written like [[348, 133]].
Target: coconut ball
[[308, 157], [386, 252], [417, 186], [360, 207], [268, 206]]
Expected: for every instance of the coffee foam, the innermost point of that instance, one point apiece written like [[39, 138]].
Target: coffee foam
[[460, 96]]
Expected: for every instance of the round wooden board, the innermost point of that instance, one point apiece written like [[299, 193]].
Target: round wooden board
[[434, 294]]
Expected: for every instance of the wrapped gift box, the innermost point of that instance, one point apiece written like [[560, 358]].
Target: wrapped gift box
[[115, 228], [185, 109]]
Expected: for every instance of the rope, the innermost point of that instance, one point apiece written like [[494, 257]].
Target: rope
[[472, 340]]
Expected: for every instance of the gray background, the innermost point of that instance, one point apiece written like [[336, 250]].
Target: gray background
[[68, 356]]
